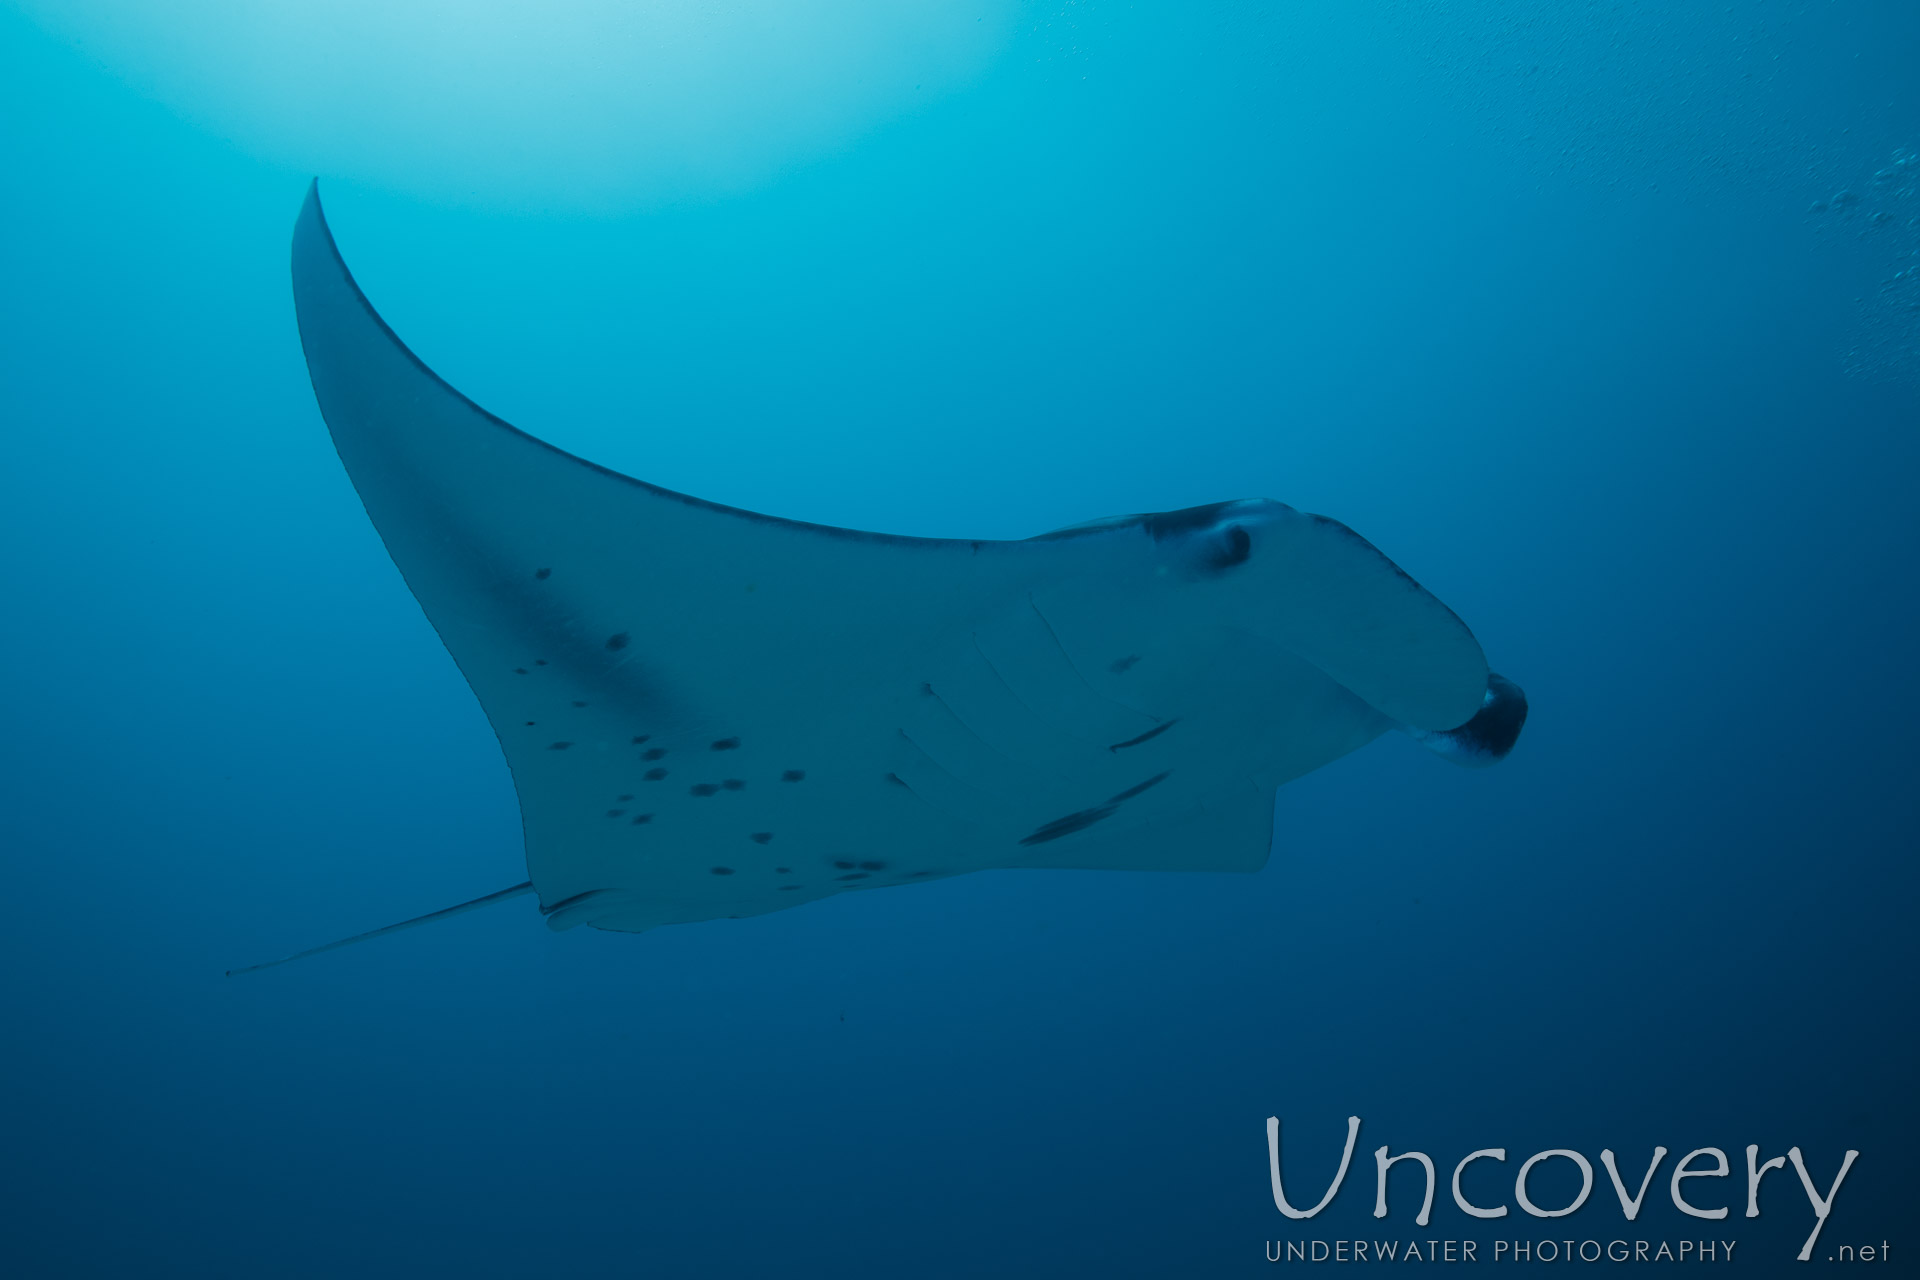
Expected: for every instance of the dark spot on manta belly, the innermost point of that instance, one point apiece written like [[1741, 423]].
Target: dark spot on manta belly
[[1148, 736], [539, 662], [761, 837], [623, 799], [558, 746], [642, 738], [543, 574], [723, 871], [519, 671], [787, 887], [858, 875], [726, 744], [652, 753], [702, 789], [642, 819], [793, 775], [843, 864], [1119, 666], [617, 640], [579, 704], [873, 866], [783, 871], [733, 784], [614, 813], [654, 775]]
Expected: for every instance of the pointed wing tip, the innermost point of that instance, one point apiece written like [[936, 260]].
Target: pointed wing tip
[[312, 217], [313, 239]]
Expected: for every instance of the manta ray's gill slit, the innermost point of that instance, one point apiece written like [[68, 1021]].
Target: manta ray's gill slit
[[1053, 634], [929, 757], [558, 746], [543, 574], [726, 744], [614, 813], [994, 671], [794, 775], [722, 871], [642, 819], [783, 871], [929, 691], [652, 753], [1120, 666], [653, 775], [642, 738], [703, 789], [1148, 736], [761, 837], [733, 784], [617, 641]]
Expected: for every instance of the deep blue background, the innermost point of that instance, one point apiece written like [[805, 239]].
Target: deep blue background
[[1536, 303]]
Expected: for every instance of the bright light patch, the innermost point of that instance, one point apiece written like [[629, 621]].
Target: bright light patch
[[590, 103]]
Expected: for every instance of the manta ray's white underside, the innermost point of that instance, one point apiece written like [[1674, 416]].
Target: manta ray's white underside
[[713, 713]]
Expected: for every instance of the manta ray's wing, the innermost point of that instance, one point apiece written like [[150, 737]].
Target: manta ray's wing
[[709, 712]]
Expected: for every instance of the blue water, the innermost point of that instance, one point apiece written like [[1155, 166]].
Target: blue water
[[1563, 309]]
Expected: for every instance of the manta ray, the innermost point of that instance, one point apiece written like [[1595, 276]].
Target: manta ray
[[712, 713]]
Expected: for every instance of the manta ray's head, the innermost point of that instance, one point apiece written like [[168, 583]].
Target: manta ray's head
[[1313, 587]]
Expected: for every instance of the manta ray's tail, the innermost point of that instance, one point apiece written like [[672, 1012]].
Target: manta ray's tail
[[443, 913]]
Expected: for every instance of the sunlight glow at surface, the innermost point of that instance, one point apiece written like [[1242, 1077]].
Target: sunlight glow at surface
[[594, 104]]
